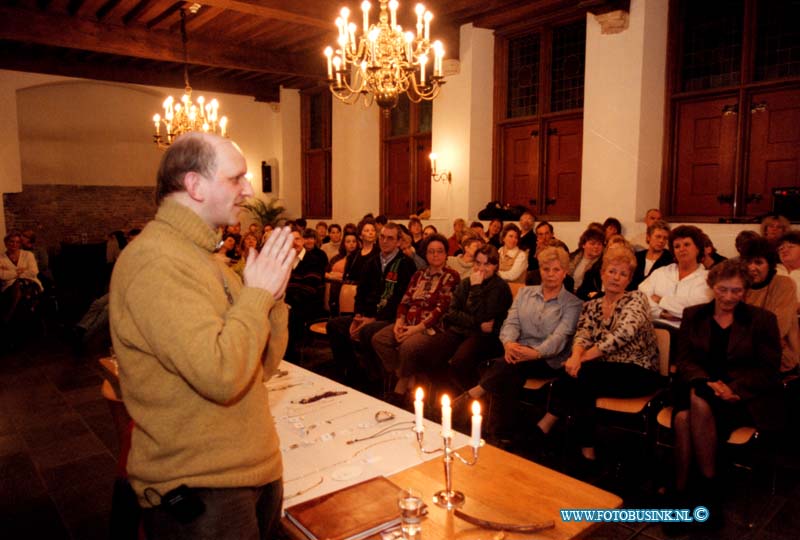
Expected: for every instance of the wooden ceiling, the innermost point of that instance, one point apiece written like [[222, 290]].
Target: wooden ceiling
[[249, 47]]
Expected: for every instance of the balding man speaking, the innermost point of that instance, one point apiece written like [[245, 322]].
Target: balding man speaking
[[194, 346]]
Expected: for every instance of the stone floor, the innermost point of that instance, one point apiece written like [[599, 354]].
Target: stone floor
[[58, 450]]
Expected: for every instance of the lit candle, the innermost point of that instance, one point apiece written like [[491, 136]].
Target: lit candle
[[423, 60], [428, 17], [340, 26], [420, 11], [157, 122], [438, 49], [476, 424], [351, 28], [223, 123], [418, 410], [447, 414], [409, 50], [365, 10], [393, 10], [337, 63], [328, 54], [433, 157]]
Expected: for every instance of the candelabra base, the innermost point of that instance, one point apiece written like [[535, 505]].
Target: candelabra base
[[448, 500]]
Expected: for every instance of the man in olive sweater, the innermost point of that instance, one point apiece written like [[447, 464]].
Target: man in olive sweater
[[194, 347]]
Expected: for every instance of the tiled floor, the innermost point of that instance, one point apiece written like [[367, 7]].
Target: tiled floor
[[58, 453]]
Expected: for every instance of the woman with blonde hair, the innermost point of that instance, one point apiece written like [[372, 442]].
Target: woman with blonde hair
[[614, 352], [773, 227]]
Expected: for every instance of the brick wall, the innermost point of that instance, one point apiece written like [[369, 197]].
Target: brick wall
[[78, 214]]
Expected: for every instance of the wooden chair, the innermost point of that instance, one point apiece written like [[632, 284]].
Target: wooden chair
[[515, 288]]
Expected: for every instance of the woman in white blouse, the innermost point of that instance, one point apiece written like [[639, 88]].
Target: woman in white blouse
[[18, 273], [513, 260]]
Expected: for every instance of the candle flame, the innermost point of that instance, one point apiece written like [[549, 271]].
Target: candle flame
[[445, 400], [476, 408], [419, 394]]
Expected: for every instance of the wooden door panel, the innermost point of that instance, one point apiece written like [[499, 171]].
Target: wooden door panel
[[520, 182], [774, 147], [706, 157], [397, 191], [317, 199], [423, 180], [563, 183]]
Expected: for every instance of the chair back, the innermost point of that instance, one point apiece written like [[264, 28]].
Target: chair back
[[347, 298], [663, 339], [515, 288]]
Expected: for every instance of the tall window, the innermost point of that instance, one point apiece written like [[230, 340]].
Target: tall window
[[315, 136], [734, 116], [539, 119], [405, 165]]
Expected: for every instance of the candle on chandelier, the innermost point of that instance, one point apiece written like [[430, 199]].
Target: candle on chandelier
[[447, 417], [393, 4], [423, 60], [328, 55], [428, 17], [365, 10], [337, 63], [409, 50], [351, 28], [438, 50], [476, 424], [223, 124], [418, 407], [157, 122]]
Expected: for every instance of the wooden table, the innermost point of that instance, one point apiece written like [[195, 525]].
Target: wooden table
[[504, 488]]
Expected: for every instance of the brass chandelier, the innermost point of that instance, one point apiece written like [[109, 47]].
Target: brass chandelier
[[182, 116], [384, 62]]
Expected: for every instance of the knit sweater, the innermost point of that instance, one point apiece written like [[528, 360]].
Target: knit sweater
[[194, 346], [777, 294]]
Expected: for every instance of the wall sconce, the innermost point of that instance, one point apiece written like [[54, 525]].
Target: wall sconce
[[443, 176]]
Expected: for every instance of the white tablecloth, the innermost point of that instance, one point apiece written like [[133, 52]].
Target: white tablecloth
[[318, 455]]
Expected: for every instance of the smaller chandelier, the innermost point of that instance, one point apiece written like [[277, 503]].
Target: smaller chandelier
[[184, 115], [384, 62]]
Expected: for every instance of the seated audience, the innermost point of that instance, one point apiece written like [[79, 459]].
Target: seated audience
[[479, 305], [227, 247], [789, 253], [407, 247], [773, 227], [743, 238], [357, 260], [476, 228], [348, 245], [728, 359], [454, 242], [592, 284], [267, 232], [614, 352], [380, 222], [777, 294], [19, 281], [249, 241], [655, 256], [321, 229], [419, 317], [428, 230], [385, 280], [493, 232], [591, 248], [350, 227], [331, 247], [535, 338], [513, 260], [544, 238], [710, 255], [639, 242], [463, 263], [415, 230], [40, 254], [611, 227], [304, 292], [681, 284], [527, 236]]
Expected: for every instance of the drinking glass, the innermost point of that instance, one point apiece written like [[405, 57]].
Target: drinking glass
[[410, 502]]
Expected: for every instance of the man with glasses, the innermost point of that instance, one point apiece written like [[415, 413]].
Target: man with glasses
[[379, 291]]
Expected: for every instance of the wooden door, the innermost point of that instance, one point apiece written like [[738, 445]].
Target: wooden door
[[520, 182], [397, 192], [774, 147], [562, 198], [422, 186], [706, 141], [317, 196]]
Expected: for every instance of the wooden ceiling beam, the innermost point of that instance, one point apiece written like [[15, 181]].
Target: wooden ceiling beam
[[298, 13], [34, 61], [31, 27]]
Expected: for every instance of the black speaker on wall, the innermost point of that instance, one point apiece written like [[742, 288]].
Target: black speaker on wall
[[266, 177], [786, 202]]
